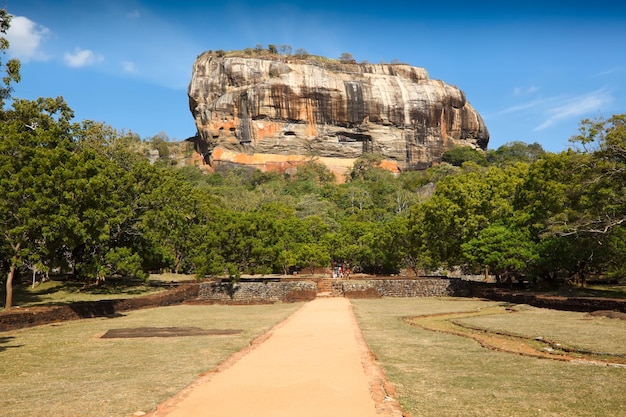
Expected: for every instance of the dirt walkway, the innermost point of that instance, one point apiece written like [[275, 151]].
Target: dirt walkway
[[315, 363]]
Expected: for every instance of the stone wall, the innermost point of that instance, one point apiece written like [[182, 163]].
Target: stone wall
[[432, 287], [257, 292], [293, 290]]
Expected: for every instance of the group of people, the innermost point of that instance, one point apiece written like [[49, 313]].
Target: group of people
[[341, 272]]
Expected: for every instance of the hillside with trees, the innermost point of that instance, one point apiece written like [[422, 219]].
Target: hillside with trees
[[80, 198]]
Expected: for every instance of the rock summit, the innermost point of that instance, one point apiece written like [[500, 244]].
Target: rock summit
[[275, 112]]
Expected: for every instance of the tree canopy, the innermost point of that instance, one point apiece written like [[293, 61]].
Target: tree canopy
[[81, 199]]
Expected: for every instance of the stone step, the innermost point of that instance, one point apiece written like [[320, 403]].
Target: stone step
[[325, 285]]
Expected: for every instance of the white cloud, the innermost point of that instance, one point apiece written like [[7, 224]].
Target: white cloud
[[520, 107], [610, 71], [536, 103], [134, 14], [523, 91], [575, 107], [129, 67], [25, 39], [82, 58]]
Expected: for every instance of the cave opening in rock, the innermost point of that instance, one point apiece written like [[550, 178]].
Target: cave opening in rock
[[353, 137]]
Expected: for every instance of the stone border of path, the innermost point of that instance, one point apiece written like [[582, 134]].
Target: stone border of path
[[381, 390]]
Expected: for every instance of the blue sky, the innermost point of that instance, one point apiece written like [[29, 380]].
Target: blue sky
[[533, 69]]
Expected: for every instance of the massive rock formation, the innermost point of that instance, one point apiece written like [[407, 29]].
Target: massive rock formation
[[273, 113]]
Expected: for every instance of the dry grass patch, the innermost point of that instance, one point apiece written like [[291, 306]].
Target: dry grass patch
[[523, 333], [168, 277], [439, 374], [574, 331], [67, 369]]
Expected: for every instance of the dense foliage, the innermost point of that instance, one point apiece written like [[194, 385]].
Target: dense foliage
[[79, 198], [82, 198]]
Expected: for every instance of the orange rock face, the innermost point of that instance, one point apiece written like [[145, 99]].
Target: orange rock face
[[275, 113]]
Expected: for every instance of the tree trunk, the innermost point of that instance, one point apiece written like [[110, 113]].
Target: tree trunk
[[9, 286], [177, 260]]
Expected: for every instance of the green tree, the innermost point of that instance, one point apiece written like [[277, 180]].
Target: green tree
[[160, 142], [363, 165], [346, 57], [603, 205], [292, 233], [98, 195], [347, 246], [175, 210], [30, 160], [579, 199], [95, 211], [461, 207], [11, 68], [517, 151], [418, 255], [460, 154], [301, 53], [313, 255], [387, 247], [547, 198], [207, 255], [354, 198], [503, 250], [285, 49]]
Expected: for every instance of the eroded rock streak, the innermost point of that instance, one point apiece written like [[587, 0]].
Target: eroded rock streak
[[274, 113]]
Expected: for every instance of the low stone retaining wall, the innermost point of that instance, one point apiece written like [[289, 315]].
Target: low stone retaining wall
[[377, 288], [257, 292], [293, 290], [19, 318]]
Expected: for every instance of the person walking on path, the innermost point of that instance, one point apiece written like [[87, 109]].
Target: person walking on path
[[313, 364]]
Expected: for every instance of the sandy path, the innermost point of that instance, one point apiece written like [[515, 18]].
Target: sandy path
[[313, 364]]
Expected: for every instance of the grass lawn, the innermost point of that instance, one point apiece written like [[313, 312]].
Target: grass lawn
[[439, 374], [578, 331], [66, 369]]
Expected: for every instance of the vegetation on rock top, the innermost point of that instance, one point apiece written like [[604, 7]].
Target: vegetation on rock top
[[285, 52]]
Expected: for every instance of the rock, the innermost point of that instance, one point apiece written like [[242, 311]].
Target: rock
[[274, 112]]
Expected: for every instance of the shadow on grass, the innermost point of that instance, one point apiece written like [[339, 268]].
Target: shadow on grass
[[62, 291], [4, 340], [593, 292]]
